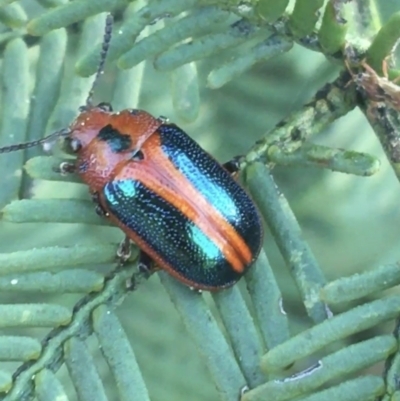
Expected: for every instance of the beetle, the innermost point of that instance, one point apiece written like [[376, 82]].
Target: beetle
[[184, 210]]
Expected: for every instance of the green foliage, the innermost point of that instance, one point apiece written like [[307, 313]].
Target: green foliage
[[308, 322]]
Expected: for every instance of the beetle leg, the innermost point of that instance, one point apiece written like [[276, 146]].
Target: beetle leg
[[233, 166], [146, 265], [99, 209], [124, 250], [65, 168], [105, 106]]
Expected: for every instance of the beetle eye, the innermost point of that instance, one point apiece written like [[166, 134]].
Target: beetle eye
[[73, 145]]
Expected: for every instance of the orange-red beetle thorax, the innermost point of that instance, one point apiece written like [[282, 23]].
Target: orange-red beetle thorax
[[107, 140]]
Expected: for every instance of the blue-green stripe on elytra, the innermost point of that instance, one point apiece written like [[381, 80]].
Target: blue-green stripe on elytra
[[175, 238]]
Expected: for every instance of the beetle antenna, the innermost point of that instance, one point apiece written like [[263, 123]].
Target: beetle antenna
[[26, 145], [103, 55], [89, 101]]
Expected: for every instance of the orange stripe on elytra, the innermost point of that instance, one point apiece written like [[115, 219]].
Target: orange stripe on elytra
[[158, 174]]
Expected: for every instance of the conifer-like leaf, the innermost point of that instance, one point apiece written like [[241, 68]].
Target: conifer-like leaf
[[296, 87]]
